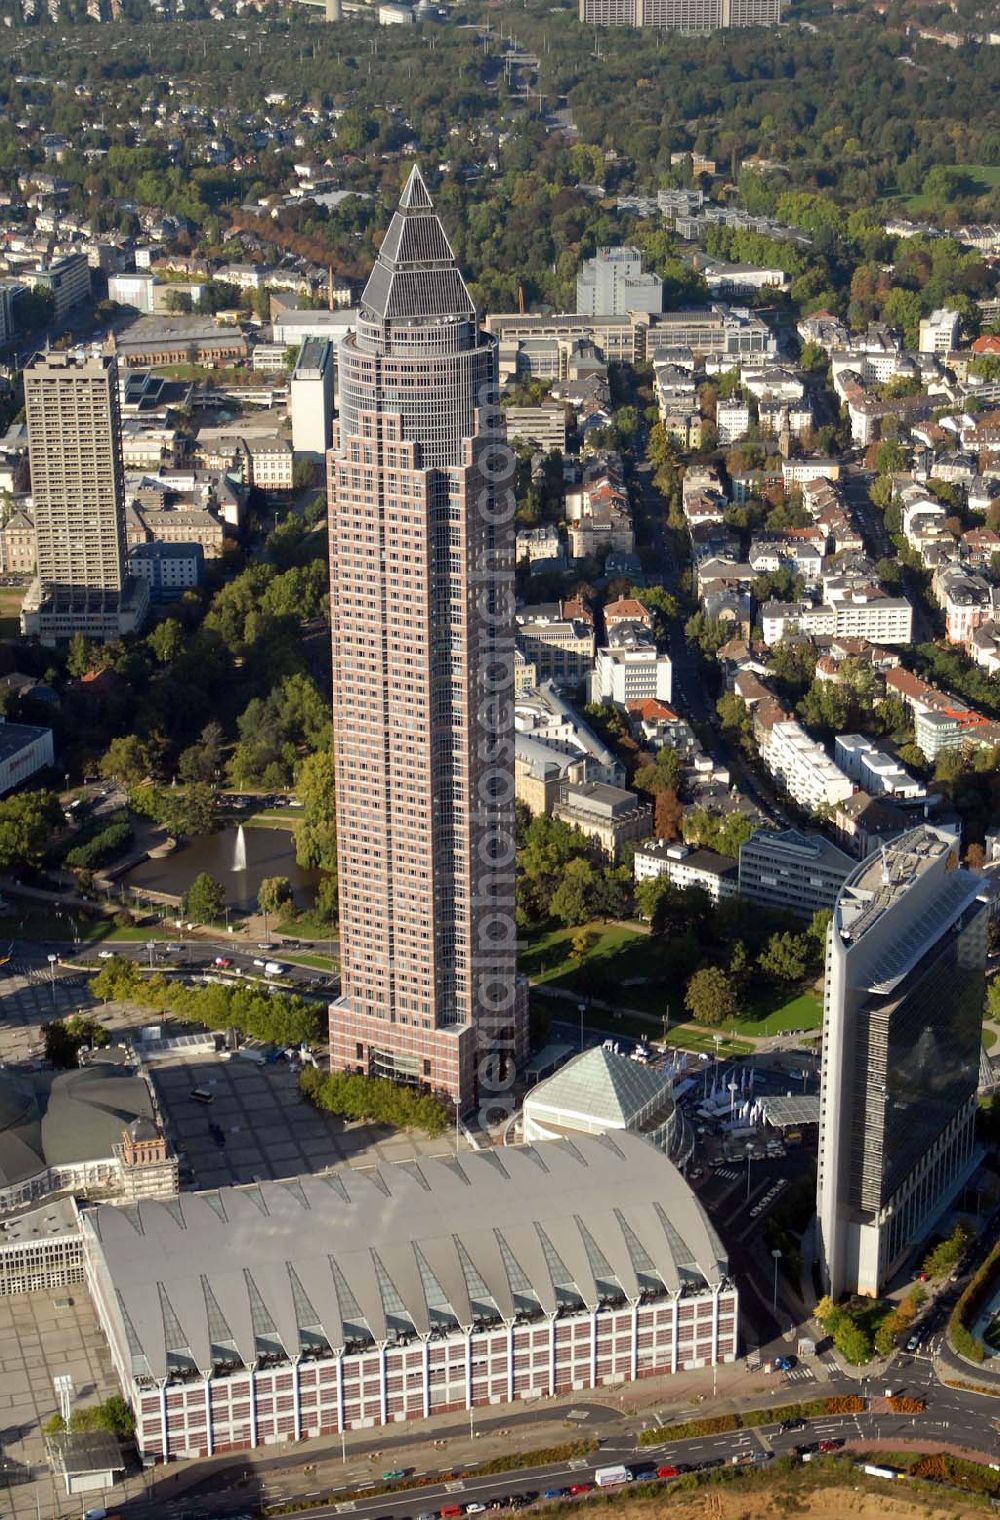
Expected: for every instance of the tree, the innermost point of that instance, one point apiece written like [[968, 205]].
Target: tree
[[205, 899], [853, 1343], [127, 761], [65, 1038], [648, 893], [79, 656], [579, 945], [975, 857], [27, 822], [711, 996], [570, 902], [316, 835], [274, 895], [784, 957], [668, 815], [659, 773], [119, 979], [166, 641]]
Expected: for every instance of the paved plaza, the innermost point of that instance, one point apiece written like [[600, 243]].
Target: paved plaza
[[32, 994], [43, 1335], [257, 1125]]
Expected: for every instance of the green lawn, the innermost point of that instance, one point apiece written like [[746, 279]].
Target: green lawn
[[804, 1010], [313, 962], [274, 818], [630, 969], [40, 922], [986, 177], [546, 957], [11, 598], [697, 1037]]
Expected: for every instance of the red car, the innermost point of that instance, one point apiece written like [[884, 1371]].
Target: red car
[[580, 1488], [667, 1472], [830, 1444], [223, 961]]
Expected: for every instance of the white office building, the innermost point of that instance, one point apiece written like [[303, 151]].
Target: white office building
[[310, 399], [875, 771], [631, 669], [939, 331], [685, 867], [614, 283], [902, 1021], [803, 767], [790, 869]]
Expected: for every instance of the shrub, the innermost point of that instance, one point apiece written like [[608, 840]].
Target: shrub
[[946, 1253], [104, 846], [903, 1404]]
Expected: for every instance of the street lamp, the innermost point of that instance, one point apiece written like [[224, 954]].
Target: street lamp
[[150, 946], [734, 1088], [749, 1154], [776, 1254], [583, 1008], [52, 975]]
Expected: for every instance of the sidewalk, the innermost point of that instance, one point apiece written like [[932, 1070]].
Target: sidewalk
[[443, 1441]]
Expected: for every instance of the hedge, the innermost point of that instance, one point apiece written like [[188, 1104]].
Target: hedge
[[850, 1403], [104, 846], [967, 1308], [546, 1456]]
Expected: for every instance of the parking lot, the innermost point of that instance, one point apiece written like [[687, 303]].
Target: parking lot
[[257, 1125]]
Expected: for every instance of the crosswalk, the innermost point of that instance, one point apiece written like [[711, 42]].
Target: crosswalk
[[800, 1374], [728, 1173]]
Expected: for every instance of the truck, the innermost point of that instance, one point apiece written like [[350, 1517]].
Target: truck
[[874, 1471], [612, 1477]]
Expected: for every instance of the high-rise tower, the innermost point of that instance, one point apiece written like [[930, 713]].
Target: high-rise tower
[[421, 562], [902, 1019], [78, 488]]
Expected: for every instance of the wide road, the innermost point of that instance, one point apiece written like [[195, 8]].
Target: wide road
[[188, 957], [948, 1420]]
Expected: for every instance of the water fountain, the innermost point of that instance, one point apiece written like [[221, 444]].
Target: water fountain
[[240, 851]]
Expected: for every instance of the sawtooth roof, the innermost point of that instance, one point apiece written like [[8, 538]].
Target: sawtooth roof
[[354, 1257]]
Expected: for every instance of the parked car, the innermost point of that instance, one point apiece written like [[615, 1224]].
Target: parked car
[[667, 1472], [791, 1424], [576, 1489], [913, 1343], [831, 1443], [784, 1363]]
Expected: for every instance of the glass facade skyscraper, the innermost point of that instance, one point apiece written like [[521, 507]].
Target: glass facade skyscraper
[[901, 1039]]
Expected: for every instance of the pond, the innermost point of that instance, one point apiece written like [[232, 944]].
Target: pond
[[269, 852]]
